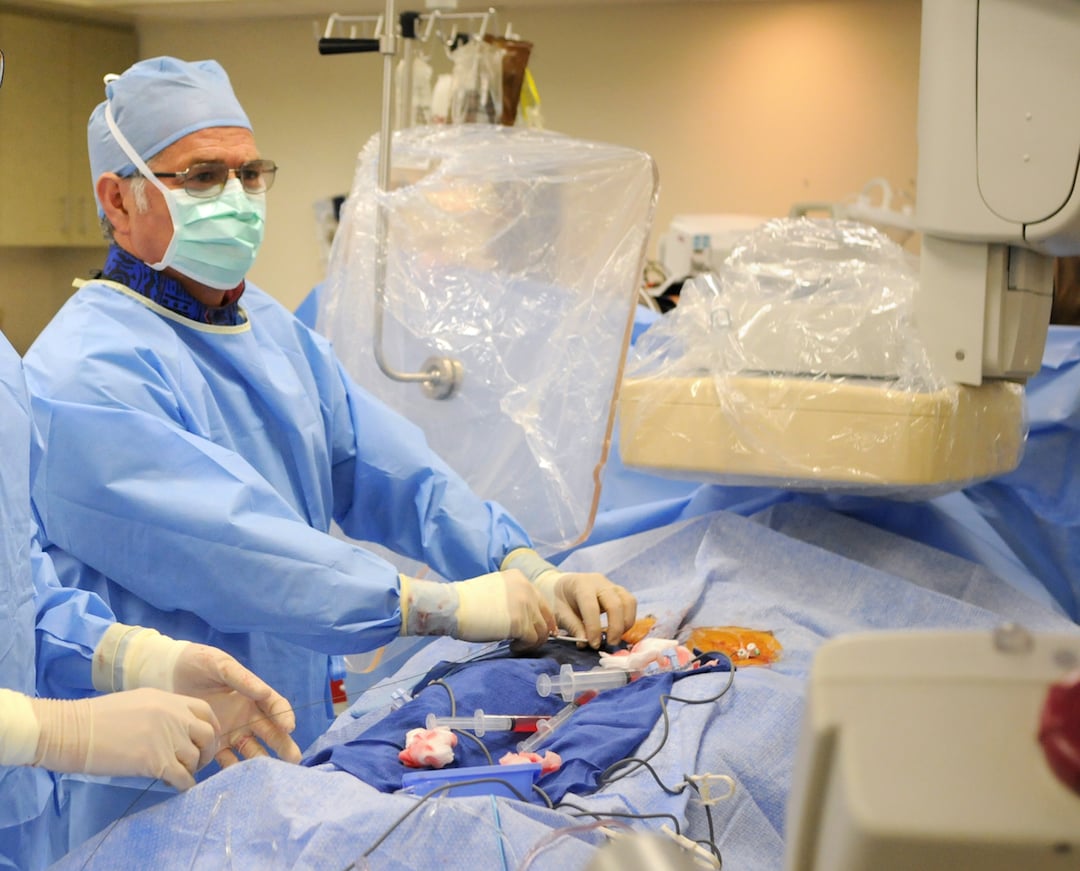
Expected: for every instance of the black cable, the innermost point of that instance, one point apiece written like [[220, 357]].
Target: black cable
[[644, 763], [702, 656], [449, 692], [712, 836], [711, 843], [483, 746], [606, 776], [453, 713], [544, 796], [117, 821]]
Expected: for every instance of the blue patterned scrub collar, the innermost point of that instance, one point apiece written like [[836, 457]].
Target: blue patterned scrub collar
[[124, 268]]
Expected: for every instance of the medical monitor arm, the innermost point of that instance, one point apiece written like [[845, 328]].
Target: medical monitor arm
[[998, 191]]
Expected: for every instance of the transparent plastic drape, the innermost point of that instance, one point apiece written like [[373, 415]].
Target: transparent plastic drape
[[797, 364], [517, 252]]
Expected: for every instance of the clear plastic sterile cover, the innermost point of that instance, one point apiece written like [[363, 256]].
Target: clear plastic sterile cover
[[797, 363], [518, 253]]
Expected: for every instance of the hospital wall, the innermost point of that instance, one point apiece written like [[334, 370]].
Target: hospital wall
[[34, 283], [748, 106]]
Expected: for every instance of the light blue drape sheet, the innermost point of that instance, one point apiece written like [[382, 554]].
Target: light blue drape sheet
[[806, 566], [803, 571]]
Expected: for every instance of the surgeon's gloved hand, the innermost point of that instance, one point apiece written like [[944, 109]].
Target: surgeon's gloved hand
[[578, 598], [251, 714], [491, 607], [143, 733]]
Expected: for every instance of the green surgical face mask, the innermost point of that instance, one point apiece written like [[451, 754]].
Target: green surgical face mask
[[214, 240]]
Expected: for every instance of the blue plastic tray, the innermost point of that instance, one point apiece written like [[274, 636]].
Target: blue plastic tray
[[464, 780]]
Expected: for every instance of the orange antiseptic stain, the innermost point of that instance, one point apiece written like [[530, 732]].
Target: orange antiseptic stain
[[639, 630], [744, 646]]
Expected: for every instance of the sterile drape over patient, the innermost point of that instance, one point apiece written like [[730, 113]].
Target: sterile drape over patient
[[800, 570]]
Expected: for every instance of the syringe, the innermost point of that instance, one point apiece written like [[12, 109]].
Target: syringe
[[479, 722], [570, 684], [546, 727]]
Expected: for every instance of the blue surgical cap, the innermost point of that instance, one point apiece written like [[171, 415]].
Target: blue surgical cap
[[156, 102]]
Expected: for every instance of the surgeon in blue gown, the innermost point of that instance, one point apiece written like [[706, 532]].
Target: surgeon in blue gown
[[201, 441], [61, 649]]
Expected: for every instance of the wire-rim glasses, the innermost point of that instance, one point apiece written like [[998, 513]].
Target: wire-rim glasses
[[207, 180]]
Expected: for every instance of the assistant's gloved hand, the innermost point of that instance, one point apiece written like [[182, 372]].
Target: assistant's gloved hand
[[488, 608], [145, 733], [578, 598], [248, 710]]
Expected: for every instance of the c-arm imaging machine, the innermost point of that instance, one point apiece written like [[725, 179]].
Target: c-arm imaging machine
[[997, 200], [932, 751]]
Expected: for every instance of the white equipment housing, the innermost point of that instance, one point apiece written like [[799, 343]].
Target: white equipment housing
[[920, 751], [699, 243], [999, 153]]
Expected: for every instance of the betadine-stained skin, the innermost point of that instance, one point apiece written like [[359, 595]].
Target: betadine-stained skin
[[744, 646]]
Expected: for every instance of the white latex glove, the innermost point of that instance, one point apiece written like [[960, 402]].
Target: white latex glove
[[578, 598], [144, 733], [488, 608], [251, 714]]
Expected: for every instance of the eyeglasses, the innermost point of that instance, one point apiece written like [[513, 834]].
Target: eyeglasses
[[207, 180], [1, 67]]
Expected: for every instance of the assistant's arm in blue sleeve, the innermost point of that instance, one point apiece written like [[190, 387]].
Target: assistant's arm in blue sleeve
[[69, 623], [188, 525], [69, 627], [391, 487]]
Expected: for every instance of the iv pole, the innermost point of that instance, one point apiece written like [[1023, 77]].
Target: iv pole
[[440, 376]]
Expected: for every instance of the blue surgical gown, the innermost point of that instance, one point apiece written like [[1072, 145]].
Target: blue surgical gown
[[47, 633], [198, 469]]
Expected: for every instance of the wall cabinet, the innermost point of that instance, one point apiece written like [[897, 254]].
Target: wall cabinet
[[52, 80]]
